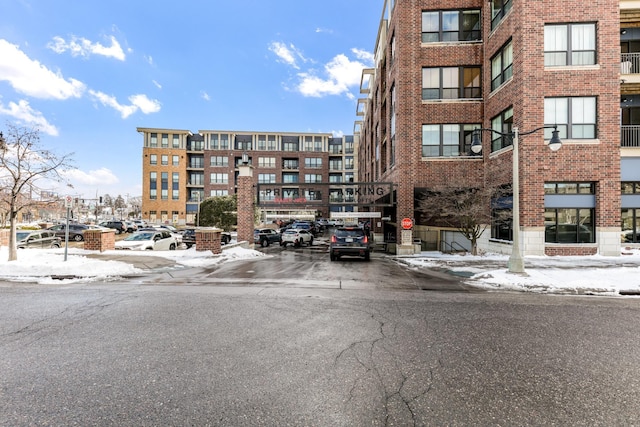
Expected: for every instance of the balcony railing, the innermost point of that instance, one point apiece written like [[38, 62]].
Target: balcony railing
[[630, 63], [630, 136]]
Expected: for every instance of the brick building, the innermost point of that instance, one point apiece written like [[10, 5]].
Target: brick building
[[446, 67], [181, 169]]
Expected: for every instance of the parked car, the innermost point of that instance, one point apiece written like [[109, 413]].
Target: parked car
[[118, 226], [132, 227], [37, 239], [265, 236], [149, 241], [349, 241], [296, 237], [189, 237], [76, 231], [306, 225]]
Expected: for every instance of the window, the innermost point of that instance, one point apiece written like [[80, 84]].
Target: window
[[224, 141], [289, 177], [502, 123], [216, 193], [164, 160], [215, 145], [219, 178], [153, 159], [272, 144], [569, 225], [308, 143], [630, 187], [154, 140], [313, 163], [165, 140], [335, 178], [450, 26], [266, 178], [451, 83], [175, 160], [290, 143], [221, 161], [312, 178], [575, 117], [335, 164], [569, 44], [569, 188], [630, 225], [262, 142], [348, 144], [175, 141], [317, 143], [499, 9], [243, 142], [266, 162], [502, 66], [447, 140], [196, 178], [175, 186], [290, 164], [348, 162], [153, 185], [196, 162], [164, 185], [502, 214]]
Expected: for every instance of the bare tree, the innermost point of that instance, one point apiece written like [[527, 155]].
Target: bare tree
[[22, 164], [468, 210]]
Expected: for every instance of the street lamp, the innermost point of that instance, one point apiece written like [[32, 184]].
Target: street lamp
[[516, 260]]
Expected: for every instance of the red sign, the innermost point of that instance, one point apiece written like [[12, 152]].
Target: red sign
[[407, 223]]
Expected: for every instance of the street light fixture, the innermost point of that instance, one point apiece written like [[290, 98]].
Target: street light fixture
[[516, 260]]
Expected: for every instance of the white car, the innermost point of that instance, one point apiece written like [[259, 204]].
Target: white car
[[148, 241], [296, 236]]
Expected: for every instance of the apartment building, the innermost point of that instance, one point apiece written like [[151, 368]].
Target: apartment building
[[296, 175], [512, 68]]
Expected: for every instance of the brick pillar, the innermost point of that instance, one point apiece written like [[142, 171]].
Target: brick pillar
[[208, 239], [245, 205], [99, 240]]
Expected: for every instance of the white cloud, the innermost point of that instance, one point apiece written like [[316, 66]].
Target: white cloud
[[102, 176], [23, 112], [158, 85], [138, 102], [79, 46], [340, 74], [324, 30], [31, 78], [205, 96], [287, 54]]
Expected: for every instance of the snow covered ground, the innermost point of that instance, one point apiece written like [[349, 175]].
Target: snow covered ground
[[580, 275]]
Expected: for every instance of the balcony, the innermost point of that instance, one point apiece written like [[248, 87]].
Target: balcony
[[630, 136]]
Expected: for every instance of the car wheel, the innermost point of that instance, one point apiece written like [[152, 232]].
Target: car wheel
[[311, 241], [297, 243], [225, 240], [367, 256], [332, 257], [78, 237], [283, 244], [172, 247], [55, 246], [264, 243]]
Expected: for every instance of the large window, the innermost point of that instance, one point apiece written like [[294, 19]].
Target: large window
[[290, 177], [266, 162], [164, 185], [502, 66], [153, 159], [266, 178], [219, 178], [450, 25], [153, 185], [164, 160], [630, 216], [175, 186], [290, 143], [569, 44], [575, 117], [502, 123], [165, 140], [175, 141], [499, 9], [313, 162], [175, 160], [569, 224], [451, 83], [153, 140], [447, 140], [219, 161], [311, 178]]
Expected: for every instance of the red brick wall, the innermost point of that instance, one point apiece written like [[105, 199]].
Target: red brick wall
[[208, 240], [245, 209], [98, 240]]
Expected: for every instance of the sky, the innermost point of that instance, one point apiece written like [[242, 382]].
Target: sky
[[86, 74], [590, 275]]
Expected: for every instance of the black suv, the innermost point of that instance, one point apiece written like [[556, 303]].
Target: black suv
[[265, 236], [349, 241], [119, 226]]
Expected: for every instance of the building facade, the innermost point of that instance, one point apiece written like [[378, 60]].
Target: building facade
[[181, 169], [444, 68]]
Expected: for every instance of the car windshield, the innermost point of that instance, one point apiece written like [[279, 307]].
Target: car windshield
[[136, 237], [291, 232], [21, 235]]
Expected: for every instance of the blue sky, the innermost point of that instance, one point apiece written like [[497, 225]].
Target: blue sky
[[88, 73]]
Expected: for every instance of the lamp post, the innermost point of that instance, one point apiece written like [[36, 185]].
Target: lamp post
[[516, 260]]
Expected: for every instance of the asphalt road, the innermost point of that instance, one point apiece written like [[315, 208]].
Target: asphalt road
[[314, 346]]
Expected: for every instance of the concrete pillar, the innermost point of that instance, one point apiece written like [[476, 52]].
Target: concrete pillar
[[245, 204]]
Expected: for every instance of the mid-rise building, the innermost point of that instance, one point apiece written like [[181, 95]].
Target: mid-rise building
[[446, 68], [181, 169]]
